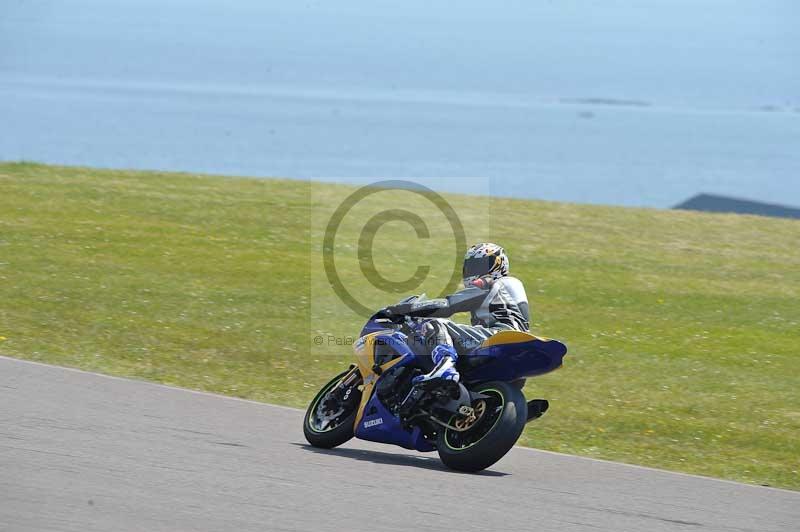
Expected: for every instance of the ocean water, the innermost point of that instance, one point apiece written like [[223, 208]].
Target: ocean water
[[624, 103]]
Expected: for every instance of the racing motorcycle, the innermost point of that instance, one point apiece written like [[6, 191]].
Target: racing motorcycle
[[471, 423]]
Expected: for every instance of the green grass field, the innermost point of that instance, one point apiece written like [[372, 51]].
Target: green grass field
[[683, 328]]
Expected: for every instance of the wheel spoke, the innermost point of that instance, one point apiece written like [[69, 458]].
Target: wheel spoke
[[487, 412], [328, 412]]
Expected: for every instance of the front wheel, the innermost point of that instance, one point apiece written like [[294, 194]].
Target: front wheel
[[488, 434], [331, 415]]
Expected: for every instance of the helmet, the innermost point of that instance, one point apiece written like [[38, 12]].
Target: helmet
[[484, 259]]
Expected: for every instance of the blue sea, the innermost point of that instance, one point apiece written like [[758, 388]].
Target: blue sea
[[613, 102]]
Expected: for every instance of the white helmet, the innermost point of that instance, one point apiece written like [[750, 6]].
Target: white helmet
[[484, 259]]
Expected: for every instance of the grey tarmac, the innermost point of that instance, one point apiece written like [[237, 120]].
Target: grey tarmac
[[85, 452]]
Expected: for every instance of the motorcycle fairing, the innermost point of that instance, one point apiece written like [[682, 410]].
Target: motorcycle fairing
[[373, 421], [511, 355], [380, 425]]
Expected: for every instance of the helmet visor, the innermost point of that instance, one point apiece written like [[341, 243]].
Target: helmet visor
[[476, 267]]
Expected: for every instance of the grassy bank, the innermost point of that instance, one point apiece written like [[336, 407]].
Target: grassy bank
[[683, 328]]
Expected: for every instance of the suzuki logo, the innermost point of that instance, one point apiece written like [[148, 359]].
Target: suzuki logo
[[373, 422]]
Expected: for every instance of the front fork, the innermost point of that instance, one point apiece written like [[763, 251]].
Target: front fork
[[343, 390]]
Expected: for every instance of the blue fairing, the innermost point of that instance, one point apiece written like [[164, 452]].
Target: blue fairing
[[508, 362], [377, 423], [382, 426], [399, 343], [372, 326]]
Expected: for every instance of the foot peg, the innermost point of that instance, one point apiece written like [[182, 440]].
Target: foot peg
[[537, 407]]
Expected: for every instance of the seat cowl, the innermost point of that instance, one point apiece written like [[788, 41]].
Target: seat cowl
[[511, 337]]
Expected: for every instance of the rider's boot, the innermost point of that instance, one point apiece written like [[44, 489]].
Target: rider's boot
[[444, 365]]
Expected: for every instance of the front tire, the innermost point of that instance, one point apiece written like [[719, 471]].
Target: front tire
[[491, 435], [329, 420]]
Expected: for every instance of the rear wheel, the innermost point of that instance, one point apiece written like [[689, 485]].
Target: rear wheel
[[330, 416], [489, 433]]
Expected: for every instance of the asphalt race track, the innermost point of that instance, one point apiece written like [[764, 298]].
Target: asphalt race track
[[85, 452]]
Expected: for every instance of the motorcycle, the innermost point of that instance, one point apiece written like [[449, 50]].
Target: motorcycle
[[471, 423]]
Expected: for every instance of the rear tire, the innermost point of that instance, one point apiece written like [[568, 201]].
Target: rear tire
[[493, 434], [340, 428]]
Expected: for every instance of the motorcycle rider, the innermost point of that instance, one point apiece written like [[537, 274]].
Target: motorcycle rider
[[495, 300]]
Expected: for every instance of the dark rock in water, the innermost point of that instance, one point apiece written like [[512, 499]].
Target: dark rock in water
[[712, 203], [606, 101]]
